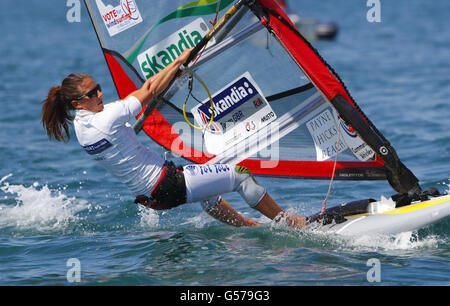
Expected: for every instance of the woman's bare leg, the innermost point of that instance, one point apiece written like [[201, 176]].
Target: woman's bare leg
[[225, 213]]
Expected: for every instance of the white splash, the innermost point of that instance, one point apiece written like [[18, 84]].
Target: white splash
[[37, 208], [149, 217], [406, 241], [448, 186]]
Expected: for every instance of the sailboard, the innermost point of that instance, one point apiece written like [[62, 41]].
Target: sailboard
[[254, 93]]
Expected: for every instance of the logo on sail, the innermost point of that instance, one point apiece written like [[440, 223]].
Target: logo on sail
[[240, 111], [121, 17], [325, 135], [347, 130], [157, 57], [359, 148], [230, 98]]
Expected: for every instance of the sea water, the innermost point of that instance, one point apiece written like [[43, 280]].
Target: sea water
[[59, 210]]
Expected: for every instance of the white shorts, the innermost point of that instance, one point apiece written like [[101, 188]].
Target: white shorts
[[206, 183]]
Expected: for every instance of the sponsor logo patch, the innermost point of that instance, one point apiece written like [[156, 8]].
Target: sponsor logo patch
[[358, 147], [121, 17], [97, 147], [324, 132], [240, 110], [191, 169], [157, 57], [206, 169]]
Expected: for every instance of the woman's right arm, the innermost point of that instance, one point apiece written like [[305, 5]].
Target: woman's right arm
[[158, 83]]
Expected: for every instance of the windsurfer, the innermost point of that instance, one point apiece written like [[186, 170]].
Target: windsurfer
[[105, 134]]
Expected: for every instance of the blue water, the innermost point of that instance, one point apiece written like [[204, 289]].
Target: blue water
[[56, 204]]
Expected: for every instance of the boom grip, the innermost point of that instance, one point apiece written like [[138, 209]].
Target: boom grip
[[196, 50]]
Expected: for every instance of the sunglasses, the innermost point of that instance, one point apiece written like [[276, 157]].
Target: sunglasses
[[92, 93]]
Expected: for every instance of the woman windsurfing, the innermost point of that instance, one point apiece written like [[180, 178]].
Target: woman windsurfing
[[105, 134]]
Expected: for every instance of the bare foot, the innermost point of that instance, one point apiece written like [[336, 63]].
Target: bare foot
[[296, 221], [291, 220], [250, 222]]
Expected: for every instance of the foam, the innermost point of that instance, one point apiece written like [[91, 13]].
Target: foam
[[149, 218], [37, 208], [399, 242]]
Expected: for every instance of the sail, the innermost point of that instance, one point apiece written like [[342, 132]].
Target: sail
[[258, 95]]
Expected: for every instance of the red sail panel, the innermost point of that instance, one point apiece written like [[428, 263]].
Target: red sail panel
[[124, 84], [317, 170]]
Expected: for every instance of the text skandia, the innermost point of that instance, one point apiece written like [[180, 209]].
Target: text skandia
[[158, 62], [228, 98]]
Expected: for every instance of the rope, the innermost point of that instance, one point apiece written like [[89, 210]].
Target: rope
[[193, 74], [213, 24], [217, 13], [338, 143]]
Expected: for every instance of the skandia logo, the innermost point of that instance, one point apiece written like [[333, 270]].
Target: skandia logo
[[228, 99], [157, 57]]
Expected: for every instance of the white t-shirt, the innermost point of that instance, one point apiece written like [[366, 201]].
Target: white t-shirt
[[110, 139]]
